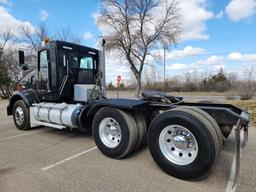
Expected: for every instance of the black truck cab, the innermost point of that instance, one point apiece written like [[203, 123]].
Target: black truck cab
[[60, 66]]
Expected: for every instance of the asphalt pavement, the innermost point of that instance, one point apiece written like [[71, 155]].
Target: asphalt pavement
[[46, 159]]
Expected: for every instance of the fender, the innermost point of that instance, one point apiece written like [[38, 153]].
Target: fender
[[29, 97], [127, 104]]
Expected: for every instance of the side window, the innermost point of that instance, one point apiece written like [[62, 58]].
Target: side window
[[71, 62], [44, 68], [86, 63], [43, 59]]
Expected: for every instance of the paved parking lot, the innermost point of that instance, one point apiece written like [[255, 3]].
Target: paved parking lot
[[46, 159]]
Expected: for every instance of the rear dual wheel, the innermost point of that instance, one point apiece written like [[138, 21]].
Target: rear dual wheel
[[142, 129], [225, 129], [210, 122], [117, 133], [183, 143]]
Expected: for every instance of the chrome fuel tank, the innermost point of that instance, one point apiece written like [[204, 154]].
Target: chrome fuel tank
[[57, 113]]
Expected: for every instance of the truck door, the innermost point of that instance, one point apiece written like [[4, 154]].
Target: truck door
[[66, 75]]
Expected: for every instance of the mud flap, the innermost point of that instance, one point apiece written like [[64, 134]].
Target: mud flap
[[238, 146]]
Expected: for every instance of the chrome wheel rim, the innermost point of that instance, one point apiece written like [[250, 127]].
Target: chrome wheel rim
[[178, 145], [19, 115], [110, 132]]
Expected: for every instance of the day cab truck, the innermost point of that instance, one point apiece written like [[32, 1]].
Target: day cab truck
[[67, 91]]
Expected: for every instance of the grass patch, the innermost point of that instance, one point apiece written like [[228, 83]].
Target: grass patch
[[249, 105]]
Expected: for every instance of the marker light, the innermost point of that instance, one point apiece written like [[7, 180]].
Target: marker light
[[45, 41]]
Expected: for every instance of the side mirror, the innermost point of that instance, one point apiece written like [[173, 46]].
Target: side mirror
[[21, 58], [22, 64]]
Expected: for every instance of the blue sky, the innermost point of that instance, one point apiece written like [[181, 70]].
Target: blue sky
[[216, 33], [78, 16]]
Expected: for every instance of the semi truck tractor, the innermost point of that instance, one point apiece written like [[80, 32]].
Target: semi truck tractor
[[67, 91]]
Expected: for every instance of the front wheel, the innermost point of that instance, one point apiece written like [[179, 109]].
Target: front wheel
[[183, 145], [21, 115]]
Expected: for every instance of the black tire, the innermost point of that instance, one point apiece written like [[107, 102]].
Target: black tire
[[210, 119], [21, 124], [209, 126], [208, 144], [142, 129], [128, 128], [225, 129]]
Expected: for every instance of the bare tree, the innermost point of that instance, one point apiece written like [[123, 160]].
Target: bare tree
[[135, 27], [34, 37], [7, 62], [65, 34], [232, 78], [6, 36], [247, 88]]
